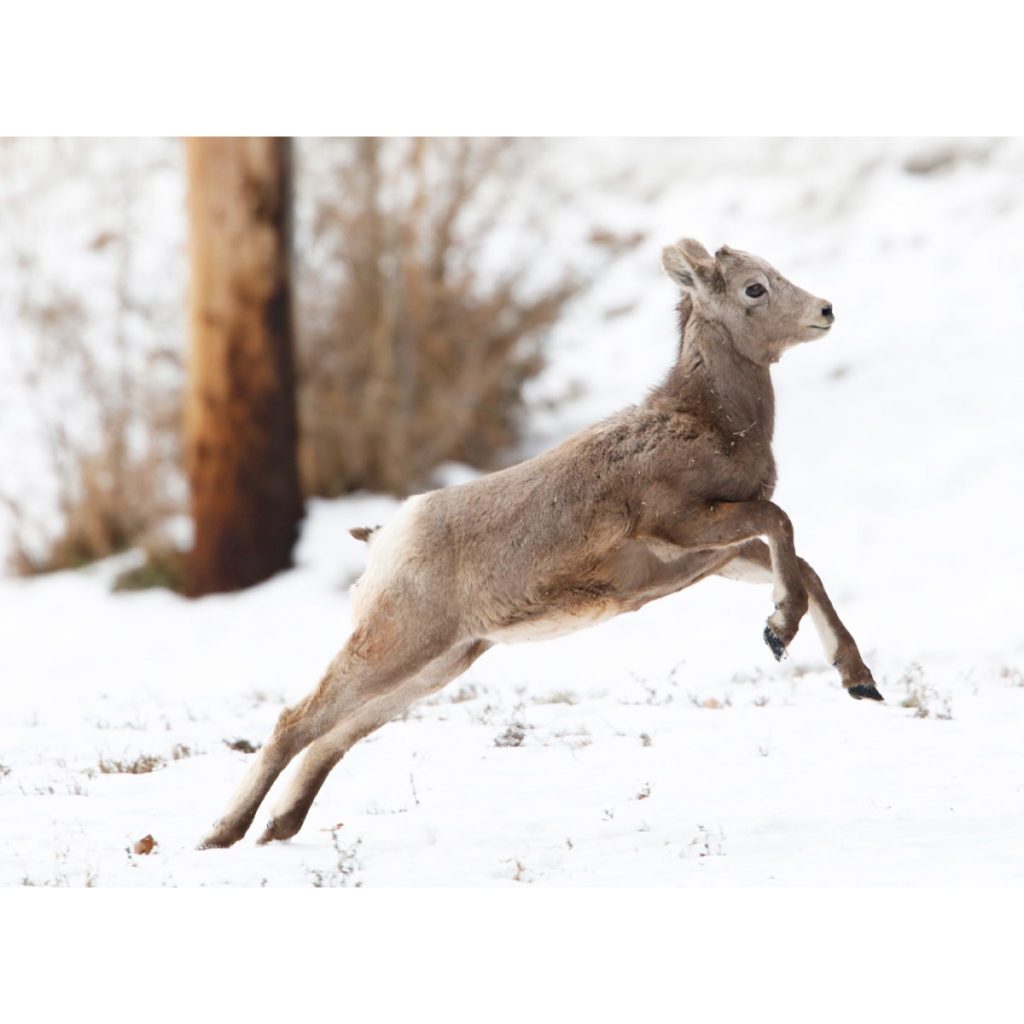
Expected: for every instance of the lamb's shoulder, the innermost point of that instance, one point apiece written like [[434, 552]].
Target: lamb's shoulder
[[641, 432], [687, 459]]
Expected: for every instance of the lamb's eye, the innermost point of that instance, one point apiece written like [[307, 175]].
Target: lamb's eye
[[755, 291]]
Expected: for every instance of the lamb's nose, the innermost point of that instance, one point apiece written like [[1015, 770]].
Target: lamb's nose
[[826, 312]]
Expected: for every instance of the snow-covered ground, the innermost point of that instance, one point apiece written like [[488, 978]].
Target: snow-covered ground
[[664, 747]]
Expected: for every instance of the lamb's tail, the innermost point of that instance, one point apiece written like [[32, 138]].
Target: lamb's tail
[[363, 533]]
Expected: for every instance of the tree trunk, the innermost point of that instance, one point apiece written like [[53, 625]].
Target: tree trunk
[[240, 420]]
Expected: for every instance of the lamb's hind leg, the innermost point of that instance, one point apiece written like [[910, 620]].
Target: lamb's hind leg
[[752, 564], [352, 725], [375, 661]]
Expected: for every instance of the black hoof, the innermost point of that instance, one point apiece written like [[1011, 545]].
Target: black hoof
[[862, 690], [778, 648]]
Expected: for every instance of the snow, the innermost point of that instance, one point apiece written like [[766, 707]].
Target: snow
[[665, 747]]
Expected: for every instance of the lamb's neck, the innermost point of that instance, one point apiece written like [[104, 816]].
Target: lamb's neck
[[712, 378]]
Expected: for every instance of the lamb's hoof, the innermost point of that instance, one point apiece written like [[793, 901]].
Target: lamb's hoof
[[220, 836], [771, 638], [862, 690], [216, 842], [276, 831]]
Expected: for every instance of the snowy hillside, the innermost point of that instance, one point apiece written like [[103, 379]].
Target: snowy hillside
[[665, 747]]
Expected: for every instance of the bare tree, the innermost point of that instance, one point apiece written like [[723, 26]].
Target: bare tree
[[240, 418]]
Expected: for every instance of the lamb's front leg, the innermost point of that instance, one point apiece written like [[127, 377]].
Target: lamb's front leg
[[753, 564], [731, 523]]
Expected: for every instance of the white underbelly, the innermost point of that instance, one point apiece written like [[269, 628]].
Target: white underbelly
[[558, 623]]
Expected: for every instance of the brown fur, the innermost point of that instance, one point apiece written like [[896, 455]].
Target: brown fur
[[633, 508]]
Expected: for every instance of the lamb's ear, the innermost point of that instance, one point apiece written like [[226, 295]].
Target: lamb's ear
[[690, 265], [726, 256]]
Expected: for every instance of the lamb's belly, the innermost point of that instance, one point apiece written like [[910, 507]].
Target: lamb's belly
[[639, 572], [557, 623]]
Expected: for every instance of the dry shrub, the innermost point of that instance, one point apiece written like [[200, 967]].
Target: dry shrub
[[111, 433], [415, 346], [95, 348]]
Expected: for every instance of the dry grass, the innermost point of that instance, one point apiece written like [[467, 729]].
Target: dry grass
[[164, 566], [922, 697], [347, 865], [513, 736], [141, 765], [1011, 675], [706, 843], [557, 697]]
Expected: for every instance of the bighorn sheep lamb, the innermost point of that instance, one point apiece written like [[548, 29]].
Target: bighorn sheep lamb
[[638, 506]]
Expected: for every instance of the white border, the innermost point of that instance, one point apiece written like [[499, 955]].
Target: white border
[[503, 955], [553, 68]]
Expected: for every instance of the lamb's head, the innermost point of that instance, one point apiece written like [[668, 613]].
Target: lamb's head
[[763, 314]]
